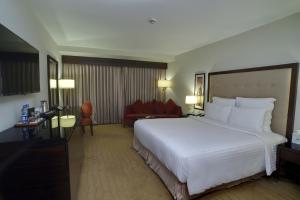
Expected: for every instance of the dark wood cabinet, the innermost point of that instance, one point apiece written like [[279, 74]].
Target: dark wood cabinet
[[42, 169], [75, 153]]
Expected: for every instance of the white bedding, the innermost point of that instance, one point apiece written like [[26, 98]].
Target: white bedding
[[204, 153]]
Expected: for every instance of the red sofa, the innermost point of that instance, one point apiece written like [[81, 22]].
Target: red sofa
[[153, 109]]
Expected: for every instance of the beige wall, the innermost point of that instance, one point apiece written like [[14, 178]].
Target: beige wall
[[15, 15], [275, 43]]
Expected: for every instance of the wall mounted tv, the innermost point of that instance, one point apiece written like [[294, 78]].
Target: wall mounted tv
[[19, 65]]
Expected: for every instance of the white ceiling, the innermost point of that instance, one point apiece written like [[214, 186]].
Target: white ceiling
[[120, 27]]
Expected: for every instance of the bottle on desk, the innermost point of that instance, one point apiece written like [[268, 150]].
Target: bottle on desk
[[24, 117]]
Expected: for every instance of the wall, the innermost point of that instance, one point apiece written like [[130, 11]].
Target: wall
[[275, 43], [16, 16]]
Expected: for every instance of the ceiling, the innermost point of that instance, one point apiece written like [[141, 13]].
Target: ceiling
[[121, 27]]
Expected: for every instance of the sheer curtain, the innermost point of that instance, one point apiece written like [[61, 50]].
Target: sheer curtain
[[110, 88]]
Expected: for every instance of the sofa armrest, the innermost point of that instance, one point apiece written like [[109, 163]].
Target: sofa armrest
[[178, 111]]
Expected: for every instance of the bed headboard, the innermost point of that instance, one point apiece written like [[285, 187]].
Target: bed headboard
[[278, 81]]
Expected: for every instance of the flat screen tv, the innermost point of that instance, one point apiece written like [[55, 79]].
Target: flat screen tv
[[19, 65]]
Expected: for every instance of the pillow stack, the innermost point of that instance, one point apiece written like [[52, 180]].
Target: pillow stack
[[251, 114]]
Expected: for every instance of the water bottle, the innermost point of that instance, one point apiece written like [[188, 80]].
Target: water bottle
[[24, 117]]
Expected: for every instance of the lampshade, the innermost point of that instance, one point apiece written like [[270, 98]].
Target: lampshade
[[54, 122], [53, 83], [190, 100], [67, 121], [66, 83], [164, 83]]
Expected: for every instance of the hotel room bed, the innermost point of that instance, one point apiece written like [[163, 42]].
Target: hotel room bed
[[194, 156], [203, 153]]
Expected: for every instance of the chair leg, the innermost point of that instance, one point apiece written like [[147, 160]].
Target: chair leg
[[92, 132], [82, 129]]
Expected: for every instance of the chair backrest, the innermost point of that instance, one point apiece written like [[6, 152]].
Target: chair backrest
[[86, 109]]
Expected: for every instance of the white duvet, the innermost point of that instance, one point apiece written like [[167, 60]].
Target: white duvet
[[204, 154]]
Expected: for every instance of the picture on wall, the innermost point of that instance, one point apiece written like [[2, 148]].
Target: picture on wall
[[199, 90]]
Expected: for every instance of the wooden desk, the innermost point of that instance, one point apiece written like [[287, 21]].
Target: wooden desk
[[40, 163]]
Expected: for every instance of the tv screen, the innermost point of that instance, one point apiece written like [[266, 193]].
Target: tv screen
[[19, 65]]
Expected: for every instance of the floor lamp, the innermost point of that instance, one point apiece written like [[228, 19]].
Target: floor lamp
[[67, 120], [164, 84]]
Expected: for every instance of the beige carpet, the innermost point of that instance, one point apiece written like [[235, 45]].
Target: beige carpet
[[112, 170]]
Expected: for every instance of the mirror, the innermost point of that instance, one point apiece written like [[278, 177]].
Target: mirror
[[53, 97]]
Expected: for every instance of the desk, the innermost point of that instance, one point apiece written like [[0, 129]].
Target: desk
[[40, 163]]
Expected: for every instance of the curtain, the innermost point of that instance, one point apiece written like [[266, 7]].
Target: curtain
[[140, 83], [53, 98], [110, 88]]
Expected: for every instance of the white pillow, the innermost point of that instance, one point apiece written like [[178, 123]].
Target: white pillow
[[250, 119], [217, 112], [265, 103], [224, 101]]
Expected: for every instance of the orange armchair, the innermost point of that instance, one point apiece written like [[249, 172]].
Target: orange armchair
[[86, 114]]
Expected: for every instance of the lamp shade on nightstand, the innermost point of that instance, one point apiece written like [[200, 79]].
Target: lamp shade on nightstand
[[190, 99]]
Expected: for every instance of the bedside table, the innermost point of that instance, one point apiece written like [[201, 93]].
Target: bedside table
[[288, 161]]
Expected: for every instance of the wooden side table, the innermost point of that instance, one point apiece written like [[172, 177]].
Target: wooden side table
[[288, 161]]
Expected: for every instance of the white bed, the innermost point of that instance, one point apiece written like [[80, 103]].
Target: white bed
[[204, 154]]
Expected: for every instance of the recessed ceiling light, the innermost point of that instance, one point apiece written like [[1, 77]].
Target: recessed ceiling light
[[152, 20]]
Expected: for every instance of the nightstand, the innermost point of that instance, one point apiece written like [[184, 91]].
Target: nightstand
[[288, 161]]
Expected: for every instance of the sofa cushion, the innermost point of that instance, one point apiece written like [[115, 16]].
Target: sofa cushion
[[137, 107], [170, 106], [141, 115], [147, 108], [159, 107]]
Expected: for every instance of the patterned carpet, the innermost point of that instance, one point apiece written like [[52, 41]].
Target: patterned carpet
[[112, 170]]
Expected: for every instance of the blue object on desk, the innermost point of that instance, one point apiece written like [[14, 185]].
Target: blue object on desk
[[24, 117]]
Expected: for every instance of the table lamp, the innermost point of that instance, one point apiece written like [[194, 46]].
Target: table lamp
[[191, 100]]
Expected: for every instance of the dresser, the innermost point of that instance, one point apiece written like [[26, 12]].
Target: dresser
[[40, 163]]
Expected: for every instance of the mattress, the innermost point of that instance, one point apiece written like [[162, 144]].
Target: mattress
[[204, 153]]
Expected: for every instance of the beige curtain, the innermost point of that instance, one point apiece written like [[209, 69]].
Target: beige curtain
[[110, 88], [140, 83], [53, 98]]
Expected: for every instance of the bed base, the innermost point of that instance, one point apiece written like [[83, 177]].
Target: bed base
[[178, 190]]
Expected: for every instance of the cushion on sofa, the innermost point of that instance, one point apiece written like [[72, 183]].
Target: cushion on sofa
[[159, 107], [148, 108], [140, 115], [170, 106], [137, 107]]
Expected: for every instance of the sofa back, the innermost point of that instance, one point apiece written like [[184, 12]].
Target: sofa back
[[154, 107]]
